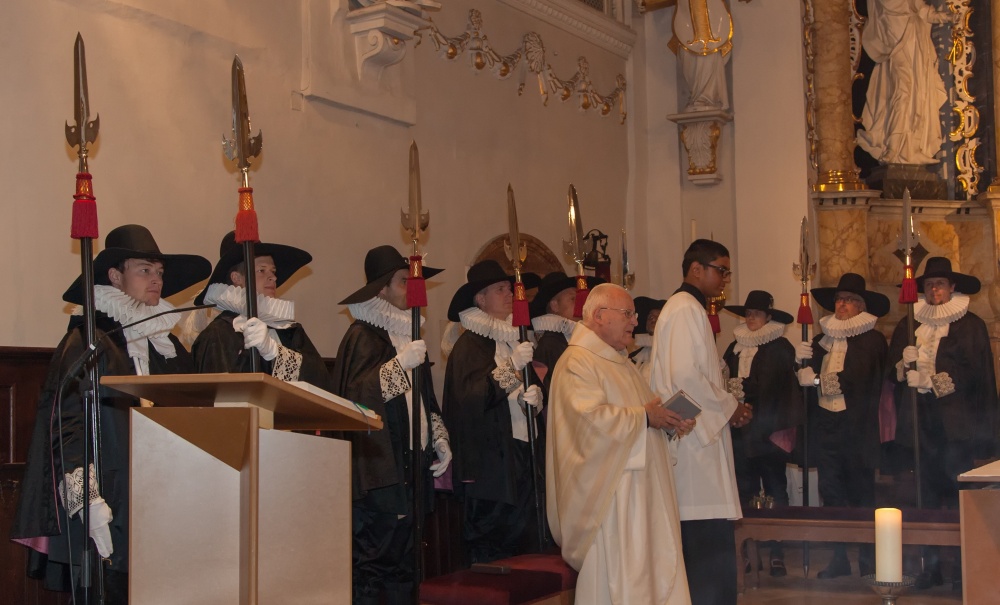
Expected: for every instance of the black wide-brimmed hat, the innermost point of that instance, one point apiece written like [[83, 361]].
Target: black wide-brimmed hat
[[480, 275], [875, 303], [939, 266], [287, 260], [645, 305], [551, 285], [180, 271], [380, 265], [759, 300]]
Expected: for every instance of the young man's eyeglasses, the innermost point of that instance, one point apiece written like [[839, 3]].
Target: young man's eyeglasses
[[723, 271], [628, 313]]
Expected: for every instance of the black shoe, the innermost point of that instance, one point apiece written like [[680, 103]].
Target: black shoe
[[778, 568], [836, 568], [928, 578]]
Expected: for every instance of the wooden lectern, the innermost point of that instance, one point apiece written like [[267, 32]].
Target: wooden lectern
[[224, 510], [980, 514]]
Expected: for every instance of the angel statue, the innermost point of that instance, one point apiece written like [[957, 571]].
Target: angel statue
[[702, 41]]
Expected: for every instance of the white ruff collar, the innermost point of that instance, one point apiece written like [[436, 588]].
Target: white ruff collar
[[746, 337], [945, 313], [277, 313], [554, 323], [124, 309], [643, 340], [477, 321], [845, 328], [382, 314]]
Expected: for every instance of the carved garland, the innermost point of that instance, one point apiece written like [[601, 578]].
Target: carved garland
[[962, 58], [529, 57]]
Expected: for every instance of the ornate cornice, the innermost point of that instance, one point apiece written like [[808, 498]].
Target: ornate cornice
[[580, 20]]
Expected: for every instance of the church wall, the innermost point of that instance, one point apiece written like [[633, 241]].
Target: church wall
[[331, 179]]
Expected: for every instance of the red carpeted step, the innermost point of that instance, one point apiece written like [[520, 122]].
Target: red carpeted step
[[472, 588], [550, 563]]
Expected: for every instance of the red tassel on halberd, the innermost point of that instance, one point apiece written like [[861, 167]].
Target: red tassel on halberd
[[908, 291], [416, 288], [246, 218], [84, 222], [713, 319], [581, 295], [521, 315], [805, 316]]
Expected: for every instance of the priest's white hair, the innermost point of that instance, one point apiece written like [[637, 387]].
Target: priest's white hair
[[602, 296]]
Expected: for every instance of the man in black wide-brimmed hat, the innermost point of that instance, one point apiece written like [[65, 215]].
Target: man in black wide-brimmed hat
[[553, 322], [131, 277], [761, 365], [956, 390], [846, 366], [484, 399], [373, 368], [285, 350]]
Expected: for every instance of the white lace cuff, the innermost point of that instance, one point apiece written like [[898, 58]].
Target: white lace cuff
[[829, 384], [735, 388], [438, 430], [393, 379], [943, 385], [506, 376], [71, 490], [287, 364]]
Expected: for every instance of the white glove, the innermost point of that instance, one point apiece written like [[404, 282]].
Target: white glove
[[803, 350], [255, 336], [522, 355], [100, 517], [918, 379], [807, 377], [532, 396], [444, 457], [909, 354], [412, 354]]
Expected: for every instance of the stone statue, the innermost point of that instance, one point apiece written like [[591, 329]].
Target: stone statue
[[702, 41], [905, 95]]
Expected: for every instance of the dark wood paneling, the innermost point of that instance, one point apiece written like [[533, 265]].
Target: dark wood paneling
[[22, 372]]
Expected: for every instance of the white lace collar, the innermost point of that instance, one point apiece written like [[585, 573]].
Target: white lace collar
[[277, 313], [475, 320], [746, 337], [945, 313], [845, 328], [124, 309], [554, 323], [383, 314]]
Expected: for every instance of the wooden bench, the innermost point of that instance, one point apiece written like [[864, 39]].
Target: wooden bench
[[831, 524]]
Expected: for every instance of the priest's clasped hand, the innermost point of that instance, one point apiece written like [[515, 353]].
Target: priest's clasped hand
[[803, 350], [443, 451], [522, 355], [659, 417], [412, 354]]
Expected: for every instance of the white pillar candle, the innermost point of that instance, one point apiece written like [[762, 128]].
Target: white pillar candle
[[888, 545]]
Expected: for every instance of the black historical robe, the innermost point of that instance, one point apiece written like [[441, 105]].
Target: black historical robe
[[40, 511], [377, 457], [219, 348]]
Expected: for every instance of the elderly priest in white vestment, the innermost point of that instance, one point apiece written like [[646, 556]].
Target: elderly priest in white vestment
[[609, 476]]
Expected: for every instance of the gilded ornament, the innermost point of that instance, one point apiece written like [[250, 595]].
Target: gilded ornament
[[532, 53]]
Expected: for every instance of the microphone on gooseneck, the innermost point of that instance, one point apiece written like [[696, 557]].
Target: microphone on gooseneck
[[94, 349]]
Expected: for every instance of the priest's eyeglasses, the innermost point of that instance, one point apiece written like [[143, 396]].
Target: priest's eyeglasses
[[723, 271], [628, 313]]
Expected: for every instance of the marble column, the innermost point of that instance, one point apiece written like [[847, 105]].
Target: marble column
[[832, 77]]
